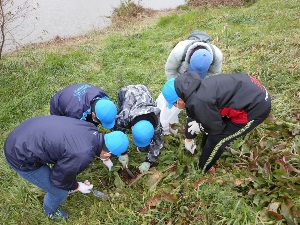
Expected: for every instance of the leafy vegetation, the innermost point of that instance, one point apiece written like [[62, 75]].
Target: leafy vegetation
[[257, 180]]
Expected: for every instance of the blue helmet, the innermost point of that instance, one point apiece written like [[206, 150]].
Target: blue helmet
[[200, 62], [142, 133], [116, 142], [169, 92], [106, 112]]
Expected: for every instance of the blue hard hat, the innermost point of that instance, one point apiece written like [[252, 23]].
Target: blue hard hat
[[200, 62], [116, 142], [170, 93], [142, 133], [106, 112]]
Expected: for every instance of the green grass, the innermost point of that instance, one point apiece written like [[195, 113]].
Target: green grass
[[261, 39]]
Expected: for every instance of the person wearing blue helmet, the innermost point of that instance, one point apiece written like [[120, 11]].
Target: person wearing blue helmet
[[223, 107], [138, 111], [50, 151], [195, 54], [85, 102]]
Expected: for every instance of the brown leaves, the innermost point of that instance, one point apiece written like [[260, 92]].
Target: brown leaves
[[201, 181], [151, 203], [273, 210]]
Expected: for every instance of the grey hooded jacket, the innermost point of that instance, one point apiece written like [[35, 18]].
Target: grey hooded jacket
[[175, 66]]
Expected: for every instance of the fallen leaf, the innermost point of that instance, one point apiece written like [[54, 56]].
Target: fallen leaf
[[143, 211], [155, 200], [238, 182], [154, 179], [291, 168], [276, 215], [252, 192], [267, 168], [202, 180], [274, 206], [168, 197]]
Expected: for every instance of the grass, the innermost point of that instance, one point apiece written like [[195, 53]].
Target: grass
[[256, 183]]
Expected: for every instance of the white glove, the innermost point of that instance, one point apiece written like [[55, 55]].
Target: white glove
[[144, 167], [173, 131], [84, 188], [108, 163], [194, 127], [124, 159], [190, 146]]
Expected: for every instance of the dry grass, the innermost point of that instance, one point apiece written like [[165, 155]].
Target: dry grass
[[214, 3]]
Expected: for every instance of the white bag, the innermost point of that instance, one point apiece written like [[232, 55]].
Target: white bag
[[167, 116]]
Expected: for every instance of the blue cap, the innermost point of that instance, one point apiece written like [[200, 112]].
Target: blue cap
[[116, 142], [142, 133], [200, 62], [106, 112], [169, 92]]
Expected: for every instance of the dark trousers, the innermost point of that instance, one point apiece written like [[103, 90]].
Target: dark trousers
[[214, 145]]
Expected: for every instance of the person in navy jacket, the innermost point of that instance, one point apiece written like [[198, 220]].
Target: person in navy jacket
[[224, 108], [69, 145], [85, 102]]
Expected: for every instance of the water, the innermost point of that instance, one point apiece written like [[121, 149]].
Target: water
[[68, 18]]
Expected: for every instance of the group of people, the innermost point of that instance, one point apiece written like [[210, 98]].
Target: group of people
[[50, 151]]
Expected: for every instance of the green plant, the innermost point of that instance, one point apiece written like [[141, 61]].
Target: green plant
[[257, 179]]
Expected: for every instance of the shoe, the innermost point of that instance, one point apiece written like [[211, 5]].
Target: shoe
[[211, 170], [59, 214]]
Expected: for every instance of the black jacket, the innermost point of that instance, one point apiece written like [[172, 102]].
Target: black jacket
[[69, 144], [237, 96]]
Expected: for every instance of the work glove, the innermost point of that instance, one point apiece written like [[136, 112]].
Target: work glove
[[190, 146], [173, 131], [85, 187], [108, 163], [144, 167], [124, 159], [194, 128]]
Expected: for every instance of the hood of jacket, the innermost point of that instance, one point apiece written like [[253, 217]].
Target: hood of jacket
[[186, 84]]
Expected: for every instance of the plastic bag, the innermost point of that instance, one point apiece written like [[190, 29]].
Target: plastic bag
[[167, 116]]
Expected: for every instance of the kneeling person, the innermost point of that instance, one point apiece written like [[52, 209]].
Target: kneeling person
[[138, 111]]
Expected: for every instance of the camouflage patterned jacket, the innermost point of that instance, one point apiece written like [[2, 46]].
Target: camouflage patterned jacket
[[136, 100]]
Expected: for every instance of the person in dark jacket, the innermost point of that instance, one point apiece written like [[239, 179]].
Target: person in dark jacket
[[85, 102], [138, 111], [224, 108], [69, 145]]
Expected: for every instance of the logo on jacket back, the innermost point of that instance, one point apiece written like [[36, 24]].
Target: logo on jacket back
[[255, 81], [81, 91]]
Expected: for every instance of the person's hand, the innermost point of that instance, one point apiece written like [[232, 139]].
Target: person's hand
[[108, 163], [144, 167], [194, 127], [190, 146], [173, 131], [85, 187], [124, 159]]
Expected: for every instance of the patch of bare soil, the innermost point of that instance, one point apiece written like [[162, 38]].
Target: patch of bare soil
[[124, 175]]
